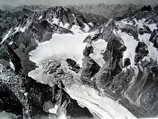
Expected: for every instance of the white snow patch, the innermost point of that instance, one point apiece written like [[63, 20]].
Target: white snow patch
[[86, 28], [11, 42], [6, 36], [153, 52], [76, 29], [22, 29], [99, 48], [140, 23], [55, 21], [131, 45], [40, 17], [1, 68], [66, 25], [54, 110], [12, 65], [91, 24]]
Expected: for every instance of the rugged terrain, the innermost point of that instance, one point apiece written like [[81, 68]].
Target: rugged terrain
[[58, 62]]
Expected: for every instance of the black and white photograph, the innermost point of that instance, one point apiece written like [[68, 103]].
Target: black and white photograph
[[78, 59]]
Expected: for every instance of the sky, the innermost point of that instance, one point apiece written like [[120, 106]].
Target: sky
[[71, 2]]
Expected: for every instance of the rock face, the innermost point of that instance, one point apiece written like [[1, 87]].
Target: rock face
[[73, 65], [141, 51], [112, 56], [89, 66], [15, 59], [153, 38], [8, 101]]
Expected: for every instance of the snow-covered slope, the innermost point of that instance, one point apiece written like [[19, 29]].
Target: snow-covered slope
[[60, 45]]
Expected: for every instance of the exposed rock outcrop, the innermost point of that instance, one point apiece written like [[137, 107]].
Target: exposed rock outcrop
[[89, 66]]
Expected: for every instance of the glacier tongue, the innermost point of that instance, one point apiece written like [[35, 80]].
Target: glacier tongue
[[103, 107]]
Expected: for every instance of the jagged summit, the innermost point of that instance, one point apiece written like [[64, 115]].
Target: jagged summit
[[54, 19]]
